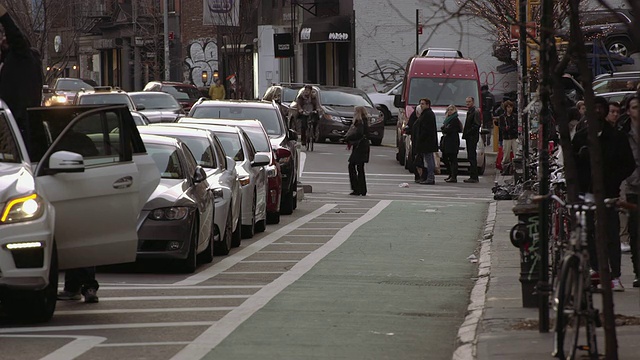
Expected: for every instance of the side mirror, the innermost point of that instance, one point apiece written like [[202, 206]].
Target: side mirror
[[261, 159], [292, 135], [140, 107], [66, 162], [397, 101], [46, 89], [231, 164], [200, 175], [282, 153]]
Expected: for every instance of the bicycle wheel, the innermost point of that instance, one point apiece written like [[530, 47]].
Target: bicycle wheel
[[568, 303], [310, 136]]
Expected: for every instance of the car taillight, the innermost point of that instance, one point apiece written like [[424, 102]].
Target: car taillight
[[283, 154]]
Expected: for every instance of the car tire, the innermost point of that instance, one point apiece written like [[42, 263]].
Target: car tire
[[620, 46], [295, 195], [249, 230], [287, 201], [35, 306], [224, 247], [261, 226], [319, 139], [482, 168], [189, 264], [376, 142], [273, 217], [236, 237], [387, 115]]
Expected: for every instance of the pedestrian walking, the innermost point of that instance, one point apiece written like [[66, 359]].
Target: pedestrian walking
[[217, 91], [488, 102], [632, 188], [508, 125], [426, 133], [20, 74], [471, 134], [617, 165], [81, 281], [357, 138], [450, 142]]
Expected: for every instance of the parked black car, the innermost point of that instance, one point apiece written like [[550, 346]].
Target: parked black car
[[611, 27], [280, 135]]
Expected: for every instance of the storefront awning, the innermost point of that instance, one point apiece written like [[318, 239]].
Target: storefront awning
[[326, 29]]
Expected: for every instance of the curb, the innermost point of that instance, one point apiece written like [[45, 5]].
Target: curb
[[467, 338]]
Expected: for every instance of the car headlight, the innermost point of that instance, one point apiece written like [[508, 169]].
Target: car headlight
[[272, 171], [244, 180], [23, 208], [169, 213], [60, 99], [333, 117], [375, 120]]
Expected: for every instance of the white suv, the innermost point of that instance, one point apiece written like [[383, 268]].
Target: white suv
[[383, 100], [70, 195]]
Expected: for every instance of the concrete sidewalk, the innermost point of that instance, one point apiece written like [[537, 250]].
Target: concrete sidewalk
[[509, 331]]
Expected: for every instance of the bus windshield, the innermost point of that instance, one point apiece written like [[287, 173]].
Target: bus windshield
[[442, 91]]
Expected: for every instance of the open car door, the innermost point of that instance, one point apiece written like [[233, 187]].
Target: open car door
[[88, 174]]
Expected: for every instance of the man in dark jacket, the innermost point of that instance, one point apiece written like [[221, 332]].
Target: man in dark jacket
[[617, 164], [426, 134], [20, 75], [471, 134]]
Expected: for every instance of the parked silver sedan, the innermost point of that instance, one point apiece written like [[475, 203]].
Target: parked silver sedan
[[252, 173], [157, 106], [176, 221], [221, 176]]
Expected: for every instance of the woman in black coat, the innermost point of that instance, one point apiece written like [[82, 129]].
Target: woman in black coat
[[450, 142], [357, 138]]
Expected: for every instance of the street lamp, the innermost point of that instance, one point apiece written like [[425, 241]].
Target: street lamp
[[215, 74], [205, 77]]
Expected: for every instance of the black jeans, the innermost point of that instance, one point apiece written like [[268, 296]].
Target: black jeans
[[80, 279], [613, 242], [357, 179], [633, 235], [472, 155], [451, 162]]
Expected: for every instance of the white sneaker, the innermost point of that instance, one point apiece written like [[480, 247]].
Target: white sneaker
[[616, 285], [625, 248]]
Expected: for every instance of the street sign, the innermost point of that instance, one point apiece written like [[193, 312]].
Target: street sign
[[419, 29]]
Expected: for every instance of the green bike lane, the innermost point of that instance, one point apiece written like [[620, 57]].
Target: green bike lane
[[397, 287]]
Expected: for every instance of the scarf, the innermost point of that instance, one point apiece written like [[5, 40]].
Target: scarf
[[449, 118]]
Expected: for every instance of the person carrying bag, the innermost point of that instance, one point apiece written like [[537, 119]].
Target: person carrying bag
[[357, 138]]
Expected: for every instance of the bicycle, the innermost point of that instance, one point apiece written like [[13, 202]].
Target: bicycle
[[311, 130]]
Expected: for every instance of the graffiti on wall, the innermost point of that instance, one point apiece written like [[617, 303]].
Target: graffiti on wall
[[383, 73], [202, 56], [497, 82]]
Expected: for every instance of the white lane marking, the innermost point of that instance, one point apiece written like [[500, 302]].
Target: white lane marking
[[182, 297], [232, 260], [137, 311], [319, 229], [303, 160], [329, 222], [413, 197], [285, 252], [267, 261], [299, 243], [225, 326], [251, 272], [312, 235], [71, 350], [105, 327], [172, 287], [144, 344]]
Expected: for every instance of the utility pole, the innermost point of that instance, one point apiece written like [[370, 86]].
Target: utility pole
[[167, 67], [543, 287], [417, 33]]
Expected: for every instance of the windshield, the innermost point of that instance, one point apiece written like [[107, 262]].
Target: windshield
[[258, 139], [201, 149], [9, 152], [106, 99], [72, 85], [442, 91], [156, 101], [289, 95], [389, 87], [339, 98], [267, 116], [231, 145], [167, 160], [182, 92], [615, 84]]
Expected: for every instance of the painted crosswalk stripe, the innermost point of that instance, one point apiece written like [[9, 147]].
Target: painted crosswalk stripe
[[105, 327], [138, 311]]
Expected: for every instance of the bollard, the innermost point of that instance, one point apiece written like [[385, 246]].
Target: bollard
[[525, 236]]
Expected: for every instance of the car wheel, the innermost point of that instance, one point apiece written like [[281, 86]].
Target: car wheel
[[189, 264], [35, 306], [319, 139], [273, 217], [261, 226], [376, 142], [224, 247], [249, 230], [236, 237], [387, 115], [620, 46], [295, 195], [287, 201], [482, 168]]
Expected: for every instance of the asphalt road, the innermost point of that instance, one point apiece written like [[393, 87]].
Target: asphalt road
[[376, 277]]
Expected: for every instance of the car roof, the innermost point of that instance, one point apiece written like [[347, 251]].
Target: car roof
[[618, 74], [243, 103], [172, 83], [216, 121], [159, 139], [215, 127], [173, 129], [146, 93], [345, 89]]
